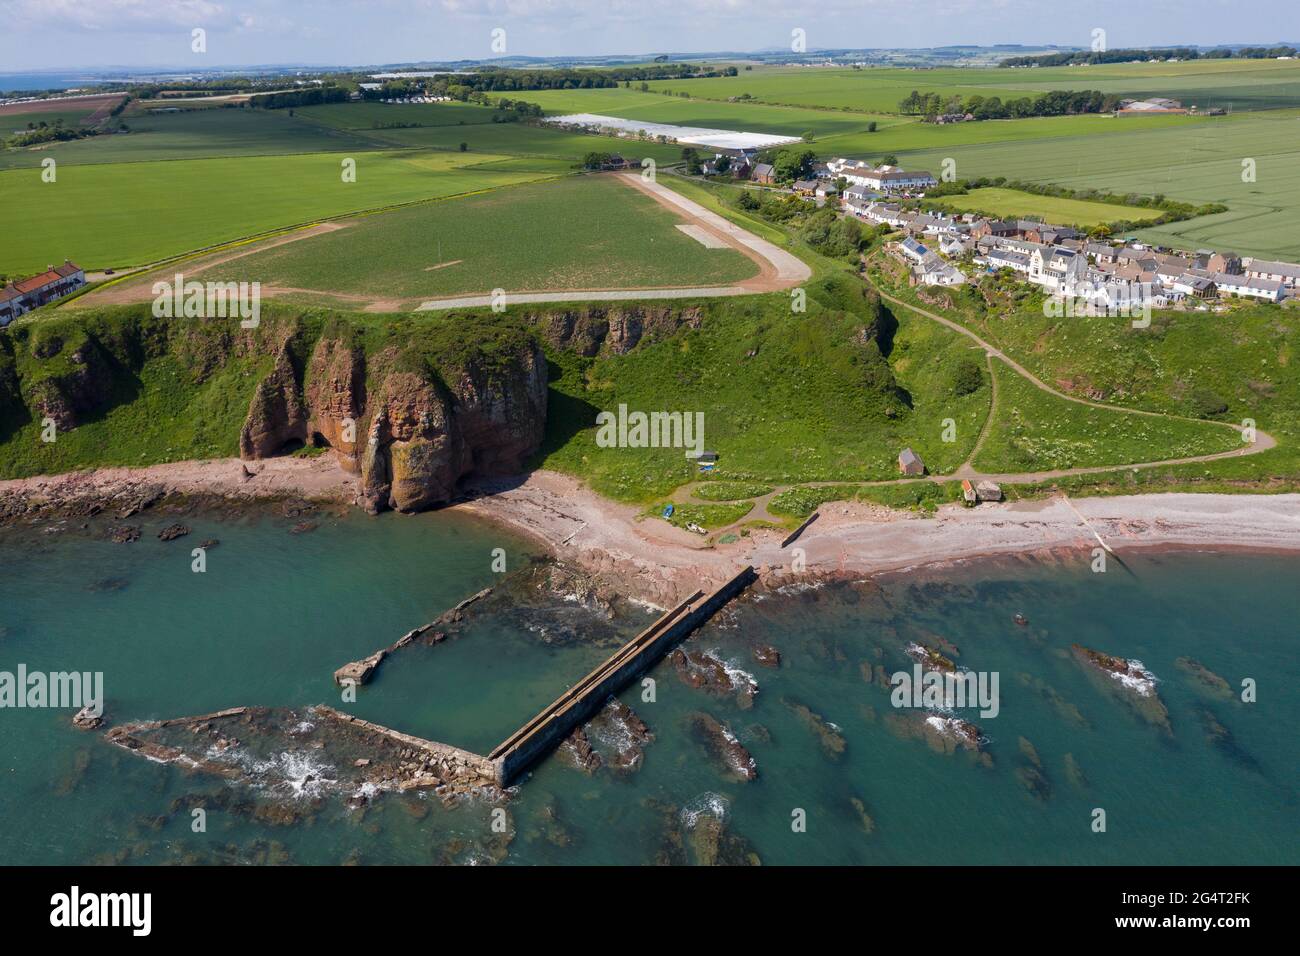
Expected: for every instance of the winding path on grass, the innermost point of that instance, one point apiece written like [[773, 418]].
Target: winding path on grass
[[760, 511], [778, 268]]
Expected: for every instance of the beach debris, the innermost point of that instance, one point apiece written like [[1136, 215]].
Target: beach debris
[[1130, 680], [1205, 678], [723, 746], [828, 734]]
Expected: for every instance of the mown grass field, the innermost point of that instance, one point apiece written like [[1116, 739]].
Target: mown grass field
[[584, 232], [1014, 203], [1201, 162], [128, 214]]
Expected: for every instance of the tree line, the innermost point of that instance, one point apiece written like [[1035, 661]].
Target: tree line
[[1055, 103], [1080, 57]]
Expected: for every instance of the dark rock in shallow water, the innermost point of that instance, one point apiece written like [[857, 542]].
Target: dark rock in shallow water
[[766, 655], [173, 531], [708, 672], [124, 534], [577, 750], [619, 736], [1221, 737], [1074, 773], [1130, 680], [724, 746]]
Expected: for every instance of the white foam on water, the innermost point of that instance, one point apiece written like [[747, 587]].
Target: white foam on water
[[708, 804]]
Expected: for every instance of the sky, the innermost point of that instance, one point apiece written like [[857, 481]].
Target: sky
[[70, 34]]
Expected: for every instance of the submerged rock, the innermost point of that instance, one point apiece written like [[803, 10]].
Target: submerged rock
[[124, 534], [828, 735], [1205, 678], [1074, 773]]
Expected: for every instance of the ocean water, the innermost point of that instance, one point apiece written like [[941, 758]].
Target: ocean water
[[277, 612]]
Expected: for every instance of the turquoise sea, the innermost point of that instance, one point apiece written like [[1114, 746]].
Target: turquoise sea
[[276, 612]]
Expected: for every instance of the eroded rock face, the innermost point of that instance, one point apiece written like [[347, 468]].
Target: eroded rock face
[[336, 395], [275, 415], [425, 435], [617, 330]]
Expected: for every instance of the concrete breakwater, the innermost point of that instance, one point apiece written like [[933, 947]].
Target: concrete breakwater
[[360, 672], [580, 702]]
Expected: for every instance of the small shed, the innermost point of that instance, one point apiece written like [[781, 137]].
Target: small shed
[[909, 463], [968, 492], [988, 491]]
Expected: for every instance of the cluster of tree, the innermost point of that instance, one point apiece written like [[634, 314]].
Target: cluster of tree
[[832, 235], [1054, 103], [310, 96], [240, 84], [595, 160], [43, 132], [1080, 57]]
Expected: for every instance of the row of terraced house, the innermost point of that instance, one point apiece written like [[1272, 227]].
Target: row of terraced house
[[23, 295], [1065, 262]]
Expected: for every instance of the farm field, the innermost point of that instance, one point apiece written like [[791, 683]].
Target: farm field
[[133, 213], [1239, 84], [1014, 203], [372, 115], [194, 135], [747, 117], [519, 139], [1198, 163], [583, 232]]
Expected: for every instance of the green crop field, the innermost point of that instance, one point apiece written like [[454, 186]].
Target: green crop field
[[519, 139], [372, 115], [194, 135], [1232, 84], [657, 108], [584, 232], [133, 213], [1199, 163], [1014, 203]]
